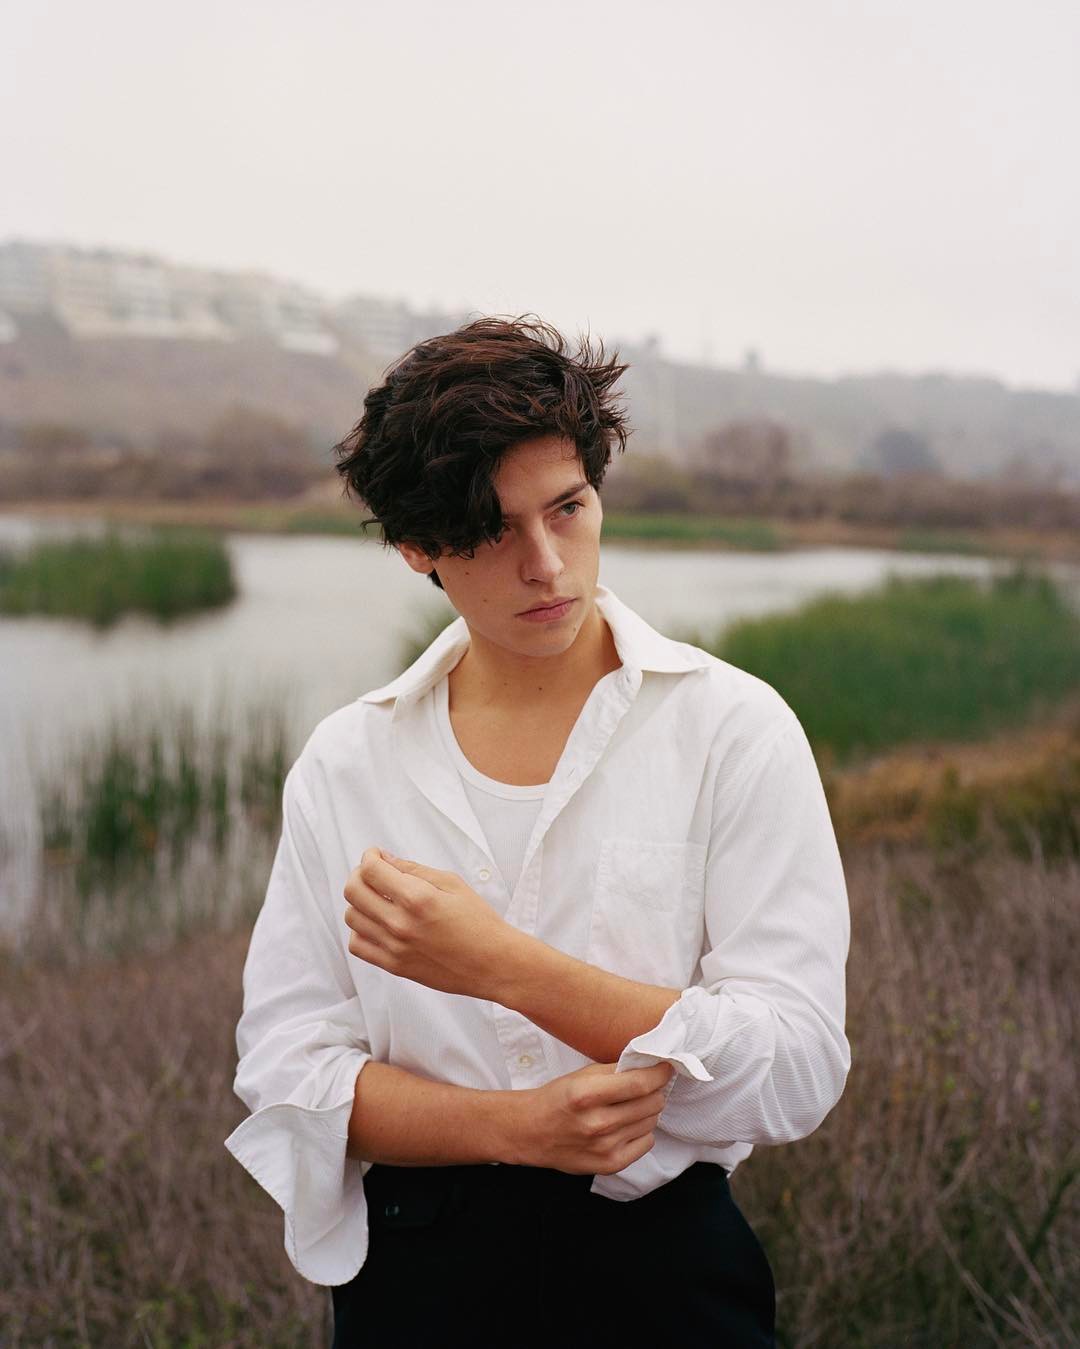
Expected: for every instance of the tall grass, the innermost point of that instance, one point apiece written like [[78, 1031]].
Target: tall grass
[[944, 657], [165, 574], [937, 1207], [155, 827]]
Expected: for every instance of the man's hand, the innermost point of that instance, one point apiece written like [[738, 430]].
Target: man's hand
[[425, 925], [594, 1121]]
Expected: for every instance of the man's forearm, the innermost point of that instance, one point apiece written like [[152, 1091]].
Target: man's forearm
[[402, 1119], [591, 1010]]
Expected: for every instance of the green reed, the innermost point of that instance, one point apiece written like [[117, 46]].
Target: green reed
[[155, 826], [943, 657], [166, 573]]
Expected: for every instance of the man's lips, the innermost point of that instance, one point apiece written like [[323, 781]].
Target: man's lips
[[554, 609], [549, 604]]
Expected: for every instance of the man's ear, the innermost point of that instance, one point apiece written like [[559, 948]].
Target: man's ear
[[416, 558]]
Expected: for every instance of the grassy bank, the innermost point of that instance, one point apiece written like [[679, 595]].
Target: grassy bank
[[166, 574], [945, 657], [815, 530], [745, 535], [938, 1205], [1018, 792]]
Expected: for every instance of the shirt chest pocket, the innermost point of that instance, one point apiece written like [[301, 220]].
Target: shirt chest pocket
[[648, 910]]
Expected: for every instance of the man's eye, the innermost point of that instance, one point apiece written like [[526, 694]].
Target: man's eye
[[572, 506]]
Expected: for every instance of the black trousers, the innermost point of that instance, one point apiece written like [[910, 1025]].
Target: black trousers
[[518, 1257]]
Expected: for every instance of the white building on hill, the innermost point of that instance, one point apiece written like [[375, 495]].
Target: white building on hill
[[101, 292], [106, 293]]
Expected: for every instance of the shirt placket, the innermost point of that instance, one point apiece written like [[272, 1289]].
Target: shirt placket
[[442, 786], [523, 1043]]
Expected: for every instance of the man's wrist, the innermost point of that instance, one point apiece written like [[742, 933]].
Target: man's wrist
[[513, 967], [501, 1119]]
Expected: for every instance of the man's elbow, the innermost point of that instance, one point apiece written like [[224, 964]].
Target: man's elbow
[[793, 1074], [812, 1080]]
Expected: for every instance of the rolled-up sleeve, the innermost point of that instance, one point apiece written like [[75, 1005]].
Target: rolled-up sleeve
[[302, 1041], [759, 1046]]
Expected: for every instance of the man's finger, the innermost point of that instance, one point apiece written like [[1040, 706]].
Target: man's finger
[[633, 1082], [366, 898], [441, 880], [363, 926], [389, 880]]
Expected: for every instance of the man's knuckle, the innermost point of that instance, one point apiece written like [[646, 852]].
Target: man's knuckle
[[396, 926]]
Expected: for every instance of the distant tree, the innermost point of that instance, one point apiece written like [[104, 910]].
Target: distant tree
[[176, 442], [757, 451], [258, 454], [897, 452], [249, 435], [648, 483], [1021, 470], [52, 438]]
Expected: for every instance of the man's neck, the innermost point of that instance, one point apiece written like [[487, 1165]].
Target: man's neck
[[490, 677]]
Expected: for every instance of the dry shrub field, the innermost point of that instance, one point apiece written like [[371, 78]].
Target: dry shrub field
[[938, 1206]]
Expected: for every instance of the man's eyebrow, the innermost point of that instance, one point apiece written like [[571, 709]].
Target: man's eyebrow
[[558, 501]]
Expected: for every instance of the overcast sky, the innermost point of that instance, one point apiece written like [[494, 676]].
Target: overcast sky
[[844, 186]]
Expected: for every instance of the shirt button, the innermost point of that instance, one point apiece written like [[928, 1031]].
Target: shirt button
[[525, 1060], [484, 874]]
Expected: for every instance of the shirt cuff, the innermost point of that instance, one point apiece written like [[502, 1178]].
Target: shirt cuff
[[297, 1154], [671, 1041]]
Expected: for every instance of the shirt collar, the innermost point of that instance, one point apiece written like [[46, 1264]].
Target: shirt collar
[[640, 647]]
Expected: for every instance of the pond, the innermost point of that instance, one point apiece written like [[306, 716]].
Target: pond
[[319, 621]]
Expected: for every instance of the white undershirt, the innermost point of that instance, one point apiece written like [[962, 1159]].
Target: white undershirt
[[505, 812]]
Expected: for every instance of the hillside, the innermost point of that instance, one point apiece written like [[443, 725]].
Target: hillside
[[135, 392], [131, 390], [971, 426]]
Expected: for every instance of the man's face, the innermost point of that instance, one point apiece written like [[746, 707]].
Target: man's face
[[549, 551]]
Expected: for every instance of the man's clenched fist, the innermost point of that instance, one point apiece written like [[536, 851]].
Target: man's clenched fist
[[425, 925]]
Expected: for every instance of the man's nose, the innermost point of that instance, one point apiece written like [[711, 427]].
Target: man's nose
[[542, 561]]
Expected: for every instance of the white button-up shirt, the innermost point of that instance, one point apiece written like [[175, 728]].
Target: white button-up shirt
[[684, 841]]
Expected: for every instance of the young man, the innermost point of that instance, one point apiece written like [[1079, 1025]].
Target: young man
[[557, 926]]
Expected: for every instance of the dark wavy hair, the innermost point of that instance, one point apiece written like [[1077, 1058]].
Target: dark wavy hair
[[423, 455]]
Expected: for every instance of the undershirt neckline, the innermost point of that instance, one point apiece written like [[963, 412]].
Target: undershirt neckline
[[509, 791]]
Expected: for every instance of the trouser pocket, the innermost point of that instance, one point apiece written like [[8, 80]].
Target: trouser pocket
[[401, 1198]]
